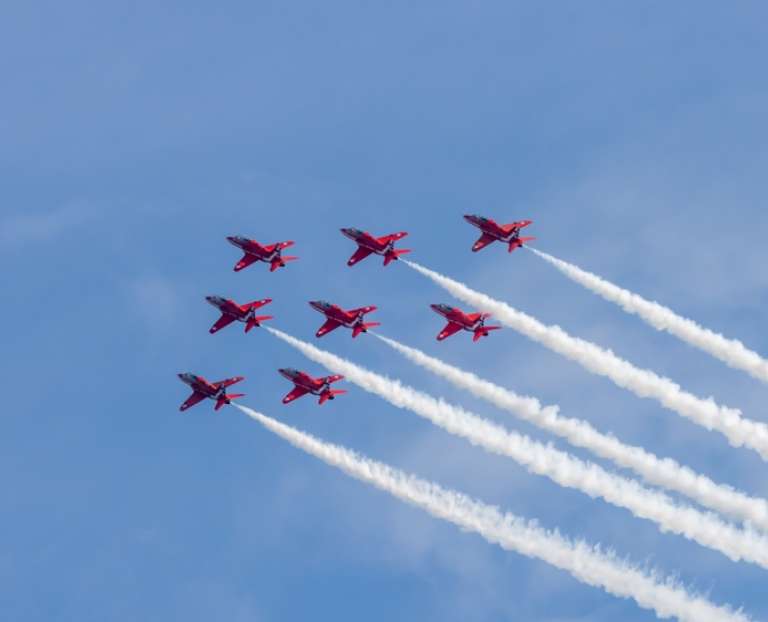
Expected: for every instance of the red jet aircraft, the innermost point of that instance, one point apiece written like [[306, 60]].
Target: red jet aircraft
[[202, 389], [271, 254], [336, 316], [368, 244], [492, 231], [307, 384], [458, 320], [231, 312]]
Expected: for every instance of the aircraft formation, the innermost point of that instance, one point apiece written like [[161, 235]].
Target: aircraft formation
[[335, 316]]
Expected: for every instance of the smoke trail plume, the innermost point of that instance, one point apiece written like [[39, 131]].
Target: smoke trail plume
[[642, 382], [588, 564], [663, 472], [705, 528], [732, 352]]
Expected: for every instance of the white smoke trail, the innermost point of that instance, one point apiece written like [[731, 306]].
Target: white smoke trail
[[705, 528], [642, 382], [585, 562], [663, 472], [732, 352]]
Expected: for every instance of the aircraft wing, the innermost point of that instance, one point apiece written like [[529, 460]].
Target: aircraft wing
[[451, 328], [483, 241], [246, 261], [363, 310], [228, 382], [512, 226], [392, 237], [360, 253], [327, 328], [473, 317], [259, 303], [278, 246], [330, 379], [295, 394], [224, 320], [192, 400]]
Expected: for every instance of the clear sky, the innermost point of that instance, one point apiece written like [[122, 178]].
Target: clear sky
[[134, 137]]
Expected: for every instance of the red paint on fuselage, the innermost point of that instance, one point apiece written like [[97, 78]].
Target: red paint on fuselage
[[304, 384], [493, 232], [271, 254], [458, 320], [202, 389], [231, 312], [367, 244], [336, 316]]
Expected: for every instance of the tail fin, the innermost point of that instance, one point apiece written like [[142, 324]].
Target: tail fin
[[329, 395], [362, 328], [226, 399], [256, 321], [518, 242], [280, 262], [394, 254], [483, 332]]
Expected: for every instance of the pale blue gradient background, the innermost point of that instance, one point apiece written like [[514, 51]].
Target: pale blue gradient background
[[134, 138]]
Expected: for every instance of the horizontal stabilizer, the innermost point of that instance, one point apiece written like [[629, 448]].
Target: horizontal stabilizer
[[363, 328], [518, 242], [329, 395], [226, 399], [483, 332], [256, 321], [279, 262], [394, 254]]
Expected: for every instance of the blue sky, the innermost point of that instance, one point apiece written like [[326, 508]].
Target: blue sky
[[135, 138]]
